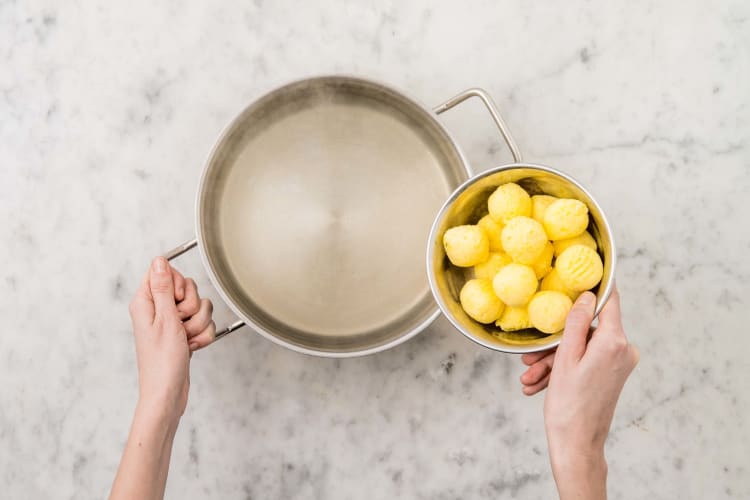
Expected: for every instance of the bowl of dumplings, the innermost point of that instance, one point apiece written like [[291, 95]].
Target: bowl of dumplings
[[510, 252]]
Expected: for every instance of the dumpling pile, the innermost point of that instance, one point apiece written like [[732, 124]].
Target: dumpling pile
[[531, 257]]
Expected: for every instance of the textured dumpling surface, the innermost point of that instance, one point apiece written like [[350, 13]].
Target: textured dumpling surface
[[514, 319], [480, 302], [515, 284], [466, 246], [493, 230], [508, 201], [553, 282], [580, 268], [566, 218], [524, 239], [539, 205], [548, 311], [584, 238], [492, 266], [543, 264]]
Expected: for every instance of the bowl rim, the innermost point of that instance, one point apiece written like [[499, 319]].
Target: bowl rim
[[449, 202]]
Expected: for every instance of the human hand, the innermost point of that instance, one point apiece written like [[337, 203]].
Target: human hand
[[170, 320], [536, 376], [585, 381]]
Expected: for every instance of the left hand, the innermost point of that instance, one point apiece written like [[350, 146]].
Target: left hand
[[169, 322]]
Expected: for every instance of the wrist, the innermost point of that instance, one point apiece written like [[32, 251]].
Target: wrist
[[156, 414], [577, 462], [580, 474]]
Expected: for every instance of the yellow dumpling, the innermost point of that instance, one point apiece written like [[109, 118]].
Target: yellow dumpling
[[466, 246], [524, 239], [488, 269], [543, 264], [539, 204], [513, 319], [480, 302], [493, 230], [580, 268], [515, 284], [584, 238], [566, 218], [553, 282], [548, 310], [508, 201]]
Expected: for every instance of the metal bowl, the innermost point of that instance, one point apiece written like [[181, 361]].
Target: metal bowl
[[467, 205]]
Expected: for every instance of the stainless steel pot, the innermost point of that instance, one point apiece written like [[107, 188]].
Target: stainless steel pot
[[314, 207]]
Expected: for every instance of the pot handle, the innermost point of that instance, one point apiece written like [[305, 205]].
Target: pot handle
[[185, 247], [492, 108]]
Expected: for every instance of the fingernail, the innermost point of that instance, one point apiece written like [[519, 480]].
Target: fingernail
[[193, 346], [160, 265], [586, 299]]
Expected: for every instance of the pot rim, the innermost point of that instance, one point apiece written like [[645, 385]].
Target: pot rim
[[200, 235]]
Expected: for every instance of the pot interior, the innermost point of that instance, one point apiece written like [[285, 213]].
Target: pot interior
[[314, 210]]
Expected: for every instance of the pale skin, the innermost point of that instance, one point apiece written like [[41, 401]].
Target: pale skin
[[170, 321], [583, 379]]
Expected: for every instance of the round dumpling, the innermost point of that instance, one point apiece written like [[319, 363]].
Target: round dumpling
[[548, 311], [508, 201], [480, 302], [515, 284], [566, 218], [580, 268], [466, 246], [524, 239]]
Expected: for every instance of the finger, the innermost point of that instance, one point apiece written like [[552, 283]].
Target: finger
[[530, 390], [205, 338], [532, 357], [179, 285], [191, 304], [161, 286], [200, 320], [573, 343], [142, 306], [610, 317], [538, 370]]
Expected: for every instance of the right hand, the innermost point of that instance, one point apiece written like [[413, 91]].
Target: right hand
[[585, 382]]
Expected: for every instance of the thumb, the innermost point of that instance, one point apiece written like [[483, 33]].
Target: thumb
[[573, 343], [161, 285]]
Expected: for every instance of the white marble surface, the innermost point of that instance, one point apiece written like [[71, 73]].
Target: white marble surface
[[107, 110]]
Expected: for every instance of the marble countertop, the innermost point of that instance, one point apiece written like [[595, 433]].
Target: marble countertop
[[107, 110]]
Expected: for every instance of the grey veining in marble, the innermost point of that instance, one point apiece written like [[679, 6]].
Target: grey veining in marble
[[107, 110]]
